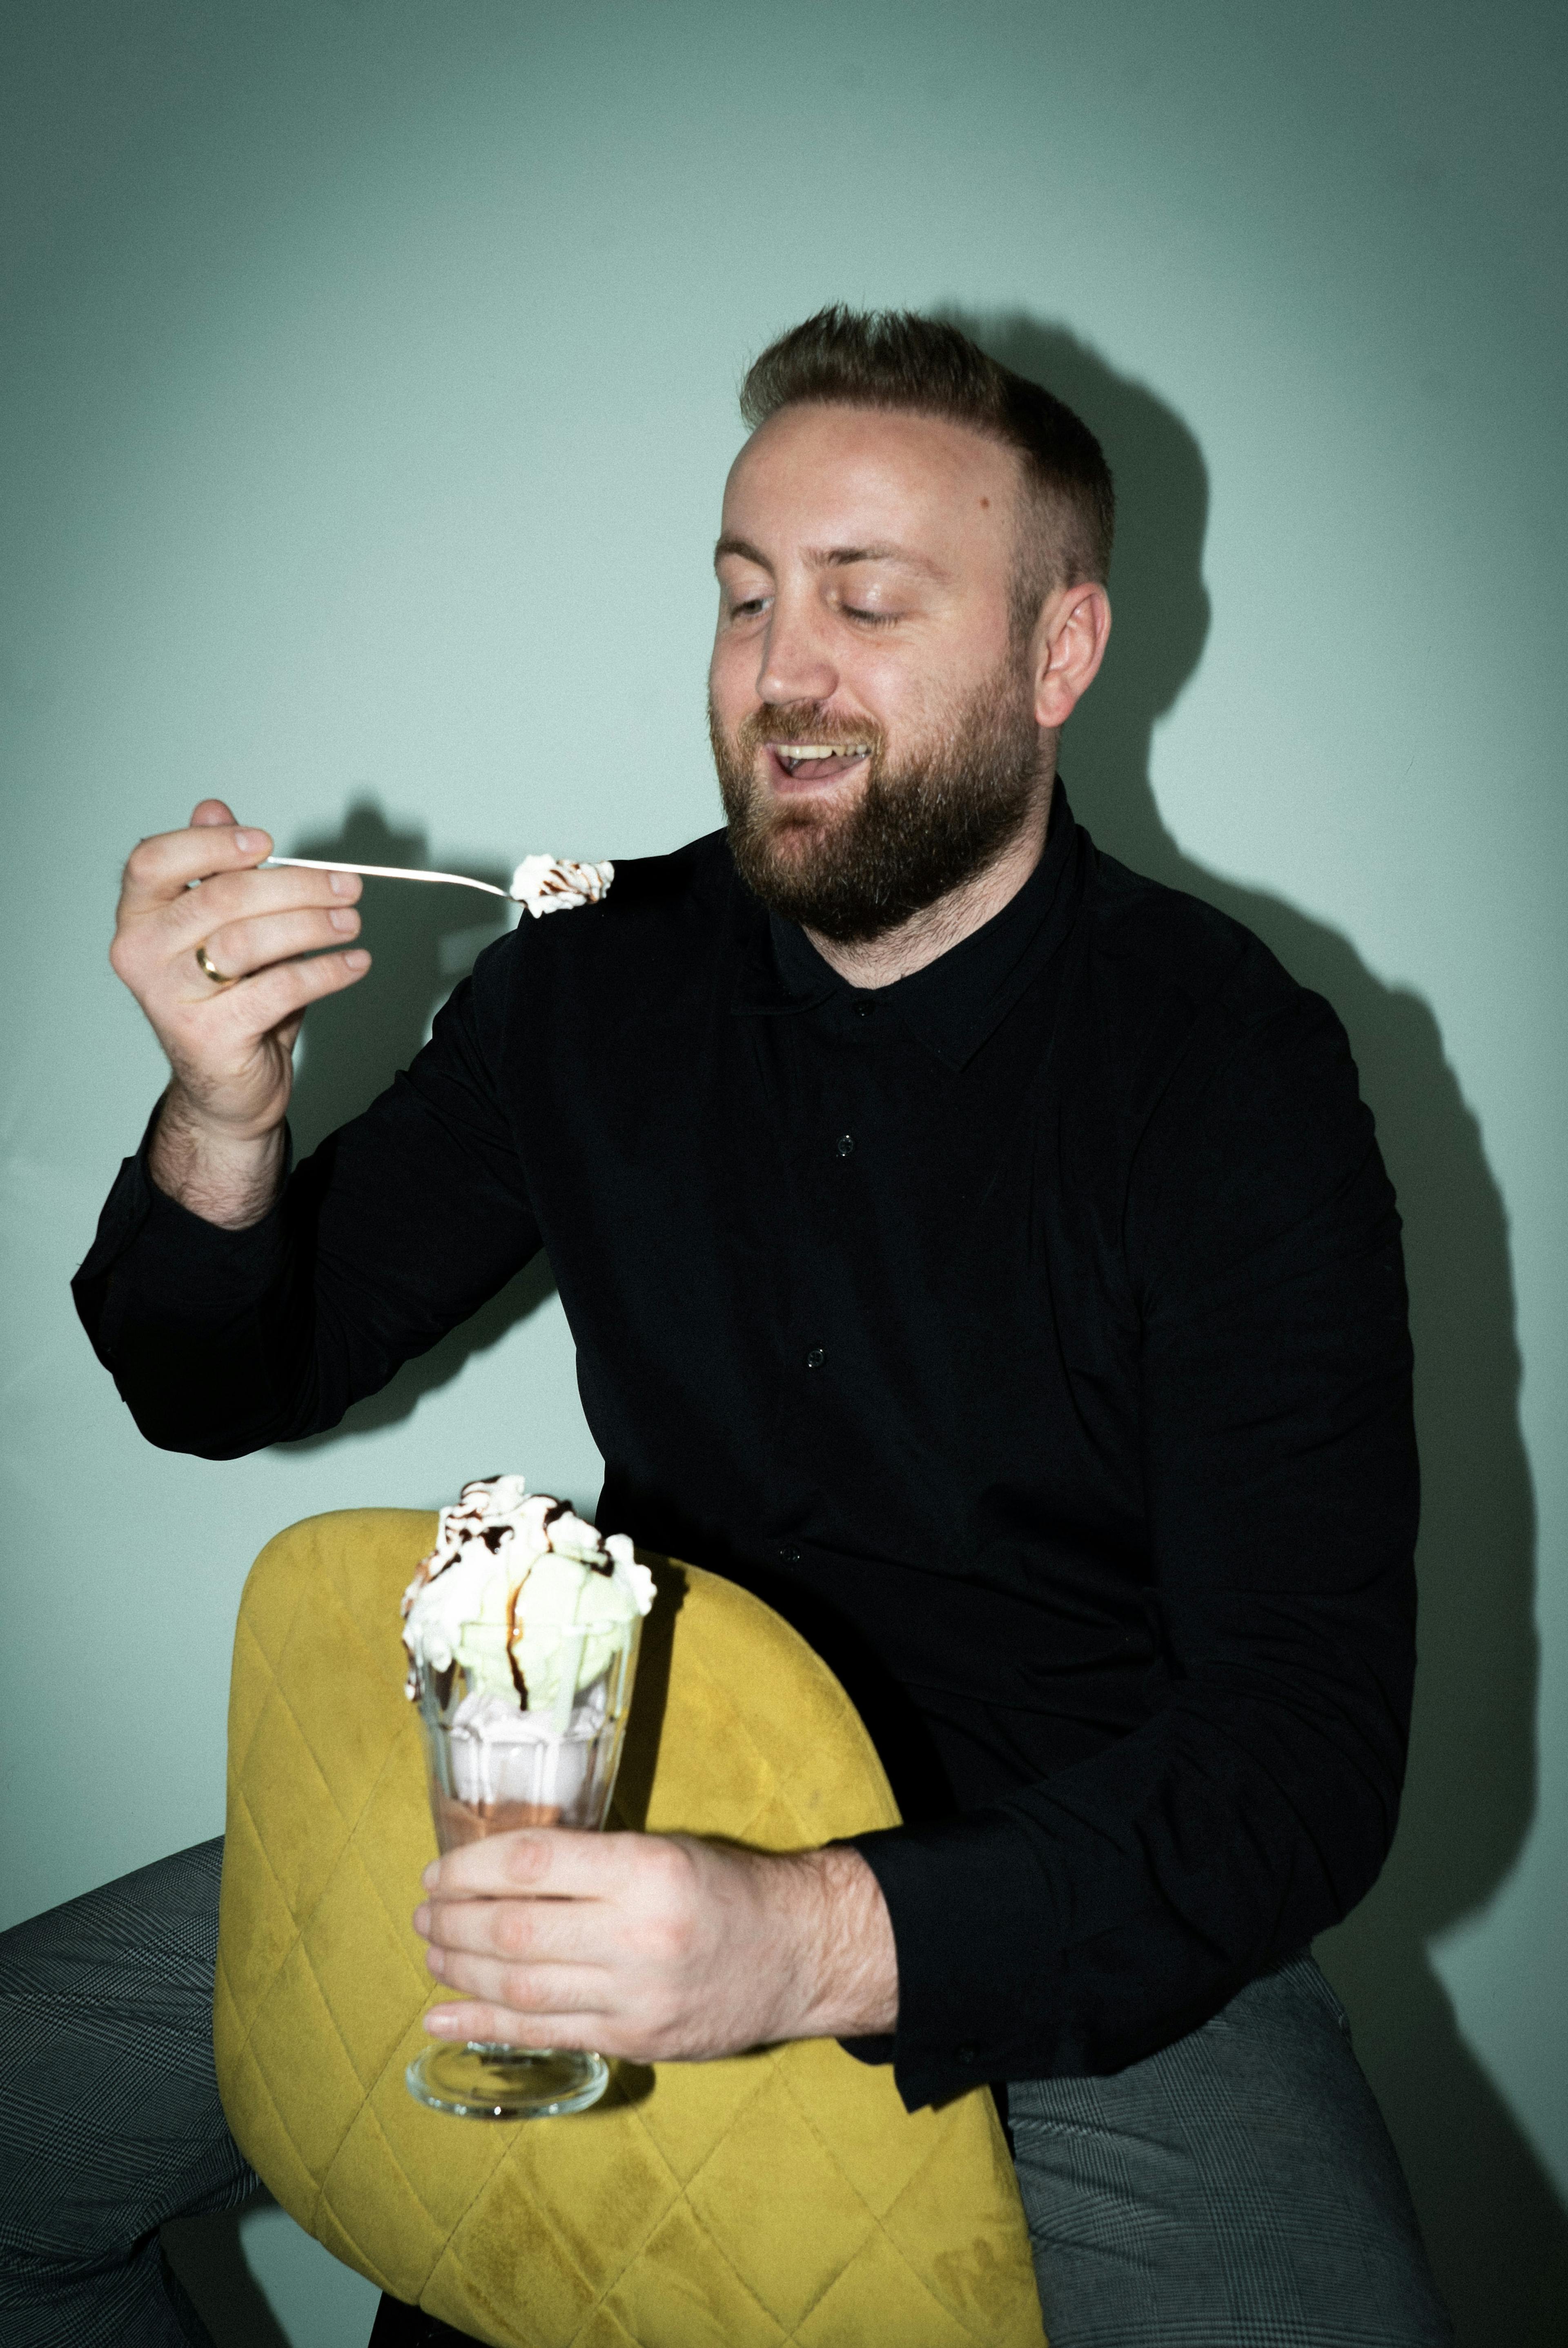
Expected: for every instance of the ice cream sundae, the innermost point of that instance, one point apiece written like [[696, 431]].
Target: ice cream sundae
[[522, 1627], [521, 1630]]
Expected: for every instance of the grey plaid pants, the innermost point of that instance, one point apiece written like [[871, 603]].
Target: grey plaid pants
[[1236, 2190], [109, 2118]]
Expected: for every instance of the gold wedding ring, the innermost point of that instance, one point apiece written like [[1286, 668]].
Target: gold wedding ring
[[208, 969]]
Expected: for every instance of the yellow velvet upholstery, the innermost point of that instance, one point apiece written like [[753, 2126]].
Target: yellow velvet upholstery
[[783, 2196]]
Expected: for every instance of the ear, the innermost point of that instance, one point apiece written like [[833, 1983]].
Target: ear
[[1067, 646]]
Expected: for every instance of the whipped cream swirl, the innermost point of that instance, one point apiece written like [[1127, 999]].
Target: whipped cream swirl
[[527, 1596], [553, 884]]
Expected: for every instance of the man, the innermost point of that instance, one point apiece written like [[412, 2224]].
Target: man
[[978, 1249]]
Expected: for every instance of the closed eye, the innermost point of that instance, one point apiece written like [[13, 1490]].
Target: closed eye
[[870, 619]]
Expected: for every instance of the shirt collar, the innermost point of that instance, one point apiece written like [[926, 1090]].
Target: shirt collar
[[955, 1003]]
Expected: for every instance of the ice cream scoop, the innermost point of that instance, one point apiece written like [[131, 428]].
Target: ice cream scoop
[[549, 884], [544, 884], [530, 1598]]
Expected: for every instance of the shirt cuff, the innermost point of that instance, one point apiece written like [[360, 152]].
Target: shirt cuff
[[152, 1258], [979, 1953]]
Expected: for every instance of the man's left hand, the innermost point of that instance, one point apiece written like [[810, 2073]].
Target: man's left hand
[[656, 1948]]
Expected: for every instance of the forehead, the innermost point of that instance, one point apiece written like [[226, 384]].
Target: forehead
[[821, 477]]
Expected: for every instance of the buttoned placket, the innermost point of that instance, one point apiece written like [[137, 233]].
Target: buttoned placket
[[824, 1159], [823, 1032]]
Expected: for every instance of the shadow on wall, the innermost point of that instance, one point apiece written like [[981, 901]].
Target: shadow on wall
[[423, 939], [1498, 2234], [209, 2259]]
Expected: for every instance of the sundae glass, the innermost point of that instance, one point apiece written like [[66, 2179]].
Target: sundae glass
[[522, 1628]]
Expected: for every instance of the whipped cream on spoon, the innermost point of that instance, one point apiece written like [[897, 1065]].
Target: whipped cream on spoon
[[545, 884]]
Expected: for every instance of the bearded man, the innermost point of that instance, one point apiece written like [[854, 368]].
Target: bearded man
[[978, 1249]]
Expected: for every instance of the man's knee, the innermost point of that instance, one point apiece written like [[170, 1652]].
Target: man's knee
[[1240, 2178]]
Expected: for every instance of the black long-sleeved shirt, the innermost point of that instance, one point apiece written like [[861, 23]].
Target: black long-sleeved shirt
[[1033, 1331]]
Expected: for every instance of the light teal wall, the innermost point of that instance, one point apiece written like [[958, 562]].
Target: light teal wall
[[366, 389]]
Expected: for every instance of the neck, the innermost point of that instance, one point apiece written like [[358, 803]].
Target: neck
[[937, 929]]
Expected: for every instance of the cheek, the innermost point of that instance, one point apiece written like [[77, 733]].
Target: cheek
[[732, 677], [904, 698]]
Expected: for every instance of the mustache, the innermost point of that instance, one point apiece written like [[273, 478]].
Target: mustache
[[805, 721]]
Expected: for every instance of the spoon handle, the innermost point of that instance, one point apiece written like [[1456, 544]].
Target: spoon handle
[[384, 873]]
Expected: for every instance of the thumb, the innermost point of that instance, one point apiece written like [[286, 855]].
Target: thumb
[[211, 811]]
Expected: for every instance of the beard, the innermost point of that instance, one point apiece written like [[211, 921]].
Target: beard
[[918, 827]]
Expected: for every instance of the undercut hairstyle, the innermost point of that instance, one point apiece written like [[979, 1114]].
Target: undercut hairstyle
[[921, 367]]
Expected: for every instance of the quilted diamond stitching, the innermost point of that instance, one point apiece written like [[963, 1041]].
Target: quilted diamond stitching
[[835, 2226], [322, 1645], [753, 2306], [367, 2124], [937, 2146], [240, 1686], [370, 2116], [558, 2276], [275, 2041], [761, 2063], [247, 1851], [284, 2135]]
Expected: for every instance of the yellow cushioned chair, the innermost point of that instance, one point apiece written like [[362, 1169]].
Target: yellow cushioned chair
[[786, 2195]]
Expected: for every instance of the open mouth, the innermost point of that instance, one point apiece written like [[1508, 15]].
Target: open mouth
[[811, 763]]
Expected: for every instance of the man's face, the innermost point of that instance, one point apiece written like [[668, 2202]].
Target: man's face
[[866, 566]]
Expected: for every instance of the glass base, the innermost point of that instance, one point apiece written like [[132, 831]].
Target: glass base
[[476, 2081]]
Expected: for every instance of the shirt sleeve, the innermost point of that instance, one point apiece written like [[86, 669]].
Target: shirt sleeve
[[399, 1227], [1095, 1916]]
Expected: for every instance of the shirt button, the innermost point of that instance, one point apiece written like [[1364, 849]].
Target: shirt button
[[966, 2055], [788, 1555], [815, 1358], [844, 1144], [864, 1010]]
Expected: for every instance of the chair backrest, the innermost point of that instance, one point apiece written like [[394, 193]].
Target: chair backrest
[[783, 2196]]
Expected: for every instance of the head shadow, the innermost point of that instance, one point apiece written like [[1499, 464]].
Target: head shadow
[[1495, 2227], [423, 938]]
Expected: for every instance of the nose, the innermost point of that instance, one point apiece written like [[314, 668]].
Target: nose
[[796, 664]]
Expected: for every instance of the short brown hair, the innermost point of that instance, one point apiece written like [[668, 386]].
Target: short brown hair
[[897, 359]]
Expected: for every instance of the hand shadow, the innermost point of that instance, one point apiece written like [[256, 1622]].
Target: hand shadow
[[423, 939], [1496, 2229]]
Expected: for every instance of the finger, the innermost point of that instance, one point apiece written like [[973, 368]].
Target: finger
[[158, 868], [521, 1989], [262, 1005], [158, 944], [498, 2026], [195, 914], [559, 1862], [538, 1931], [212, 811], [239, 948]]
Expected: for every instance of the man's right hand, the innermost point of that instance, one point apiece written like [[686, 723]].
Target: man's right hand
[[219, 1143]]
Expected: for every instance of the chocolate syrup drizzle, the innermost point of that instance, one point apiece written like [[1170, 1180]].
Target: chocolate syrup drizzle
[[464, 1524], [519, 1682]]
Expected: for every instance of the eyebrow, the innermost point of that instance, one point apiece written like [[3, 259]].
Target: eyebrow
[[837, 557]]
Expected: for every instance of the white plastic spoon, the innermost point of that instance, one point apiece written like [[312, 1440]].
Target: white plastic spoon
[[387, 872], [545, 884]]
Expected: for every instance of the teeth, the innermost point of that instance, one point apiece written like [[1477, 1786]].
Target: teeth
[[797, 751]]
